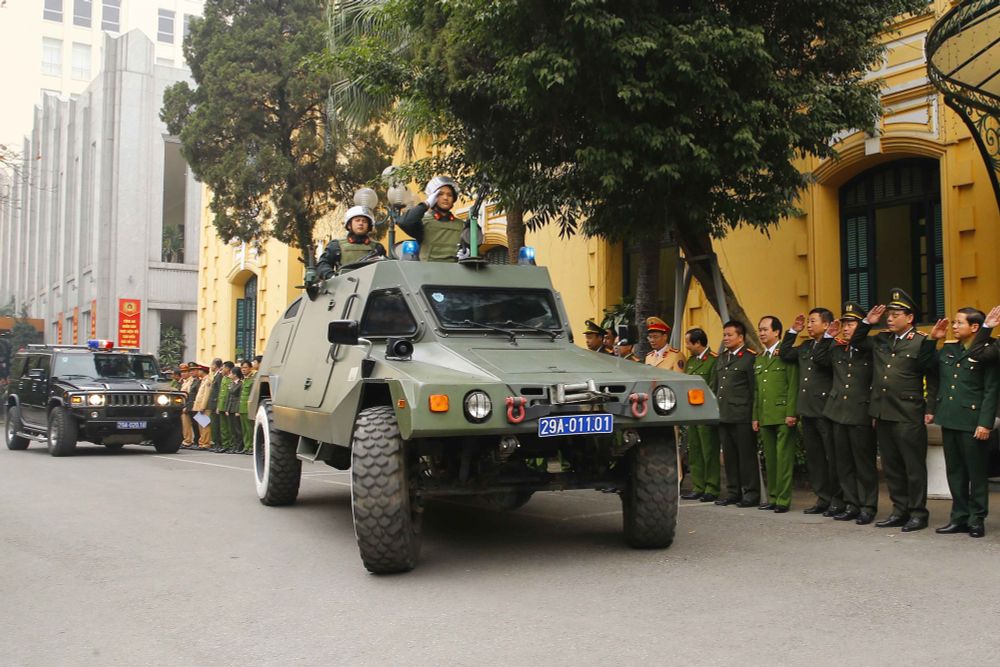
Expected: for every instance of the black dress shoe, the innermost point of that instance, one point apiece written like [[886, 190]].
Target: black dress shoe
[[780, 509], [832, 511], [815, 509], [846, 515], [708, 498], [722, 502], [915, 523], [977, 530], [952, 529], [768, 507], [894, 521], [864, 519], [694, 495], [746, 503]]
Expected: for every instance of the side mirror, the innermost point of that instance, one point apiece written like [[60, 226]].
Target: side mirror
[[342, 332]]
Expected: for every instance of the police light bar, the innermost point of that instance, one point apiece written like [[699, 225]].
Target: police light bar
[[526, 256], [100, 344]]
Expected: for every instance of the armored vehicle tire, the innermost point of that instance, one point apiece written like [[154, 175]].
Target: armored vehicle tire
[[12, 426], [649, 499], [387, 516], [62, 432], [277, 471], [169, 441]]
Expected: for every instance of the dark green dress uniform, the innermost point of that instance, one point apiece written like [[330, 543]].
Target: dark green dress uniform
[[847, 409], [734, 387], [703, 440], [967, 398], [817, 431], [901, 363], [774, 401]]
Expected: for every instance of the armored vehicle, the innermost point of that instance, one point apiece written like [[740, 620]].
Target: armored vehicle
[[59, 394], [442, 379]]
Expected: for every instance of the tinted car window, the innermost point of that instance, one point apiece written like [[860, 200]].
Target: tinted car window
[[386, 314], [97, 365]]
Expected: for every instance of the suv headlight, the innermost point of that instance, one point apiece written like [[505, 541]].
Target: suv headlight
[[477, 406], [162, 400], [96, 399], [664, 400]]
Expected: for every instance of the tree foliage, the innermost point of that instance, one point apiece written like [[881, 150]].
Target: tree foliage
[[637, 117], [172, 346], [254, 128]]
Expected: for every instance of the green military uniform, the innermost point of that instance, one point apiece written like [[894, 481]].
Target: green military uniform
[[225, 441], [897, 404], [247, 420], [703, 441], [967, 399], [817, 431], [774, 401], [442, 234], [734, 387], [351, 252], [847, 408]]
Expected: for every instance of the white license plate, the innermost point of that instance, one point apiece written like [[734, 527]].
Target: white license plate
[[575, 425], [131, 425]]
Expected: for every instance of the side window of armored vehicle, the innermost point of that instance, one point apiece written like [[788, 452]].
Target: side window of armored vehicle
[[144, 367], [386, 314], [40, 362], [20, 368], [292, 309]]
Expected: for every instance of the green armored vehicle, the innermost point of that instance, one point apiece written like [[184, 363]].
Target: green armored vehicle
[[439, 379]]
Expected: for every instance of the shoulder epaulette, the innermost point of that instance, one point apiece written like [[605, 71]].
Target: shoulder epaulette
[[922, 333], [672, 349], [888, 331], [713, 353], [752, 351]]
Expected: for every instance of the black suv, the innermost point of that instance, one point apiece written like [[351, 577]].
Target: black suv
[[108, 396]]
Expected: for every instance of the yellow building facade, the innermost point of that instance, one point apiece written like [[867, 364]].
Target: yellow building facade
[[912, 207]]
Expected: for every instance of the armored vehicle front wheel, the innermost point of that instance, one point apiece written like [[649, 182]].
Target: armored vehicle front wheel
[[387, 513], [169, 441], [277, 471], [62, 432], [13, 426], [649, 499]]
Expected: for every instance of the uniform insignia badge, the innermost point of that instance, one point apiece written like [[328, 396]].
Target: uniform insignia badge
[[910, 335]]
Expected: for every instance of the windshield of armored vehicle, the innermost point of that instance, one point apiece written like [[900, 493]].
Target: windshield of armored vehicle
[[118, 366], [456, 307]]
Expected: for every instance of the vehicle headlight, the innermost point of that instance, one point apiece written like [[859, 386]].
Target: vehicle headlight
[[96, 399], [478, 406], [162, 400], [664, 400]]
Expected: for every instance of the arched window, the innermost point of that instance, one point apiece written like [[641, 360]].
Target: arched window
[[890, 222], [246, 321]]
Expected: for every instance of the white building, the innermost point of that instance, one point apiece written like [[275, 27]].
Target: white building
[[104, 207], [54, 46]]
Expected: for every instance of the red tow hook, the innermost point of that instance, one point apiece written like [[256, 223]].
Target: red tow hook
[[640, 405], [515, 409]]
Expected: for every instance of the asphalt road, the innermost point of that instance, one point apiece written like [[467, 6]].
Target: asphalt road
[[133, 558]]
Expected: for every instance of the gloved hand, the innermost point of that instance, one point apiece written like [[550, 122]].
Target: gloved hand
[[432, 198]]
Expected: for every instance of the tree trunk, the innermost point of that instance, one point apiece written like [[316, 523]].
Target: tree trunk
[[303, 231], [647, 302], [515, 231], [700, 245]]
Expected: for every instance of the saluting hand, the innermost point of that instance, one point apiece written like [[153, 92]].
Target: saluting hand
[[982, 433], [875, 314], [940, 330], [833, 328], [992, 318], [800, 323]]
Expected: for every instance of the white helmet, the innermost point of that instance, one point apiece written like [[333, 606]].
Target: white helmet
[[356, 211], [439, 182]]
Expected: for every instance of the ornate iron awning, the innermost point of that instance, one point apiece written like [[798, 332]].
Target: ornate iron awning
[[963, 56]]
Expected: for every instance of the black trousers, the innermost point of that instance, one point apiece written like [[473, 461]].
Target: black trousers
[[904, 460], [739, 449], [236, 429], [856, 467], [821, 460]]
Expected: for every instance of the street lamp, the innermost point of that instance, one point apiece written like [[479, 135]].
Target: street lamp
[[398, 197]]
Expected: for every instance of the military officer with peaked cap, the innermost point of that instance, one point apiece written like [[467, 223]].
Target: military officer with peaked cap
[[734, 385], [847, 408], [662, 354], [903, 358], [593, 335]]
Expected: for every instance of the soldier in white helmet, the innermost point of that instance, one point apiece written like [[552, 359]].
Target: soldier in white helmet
[[358, 221], [441, 235]]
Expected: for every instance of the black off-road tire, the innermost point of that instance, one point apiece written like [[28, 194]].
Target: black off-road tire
[[387, 516], [11, 428], [649, 499], [169, 440], [63, 432], [277, 471]]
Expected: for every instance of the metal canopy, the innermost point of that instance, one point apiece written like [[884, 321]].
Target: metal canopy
[[963, 55]]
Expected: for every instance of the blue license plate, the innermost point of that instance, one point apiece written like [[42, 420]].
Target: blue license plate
[[575, 425], [133, 425]]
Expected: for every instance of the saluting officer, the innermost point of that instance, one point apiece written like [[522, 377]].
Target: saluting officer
[[662, 354], [903, 358], [814, 387], [847, 408], [593, 335], [734, 387], [774, 414], [442, 235], [965, 408], [703, 440]]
